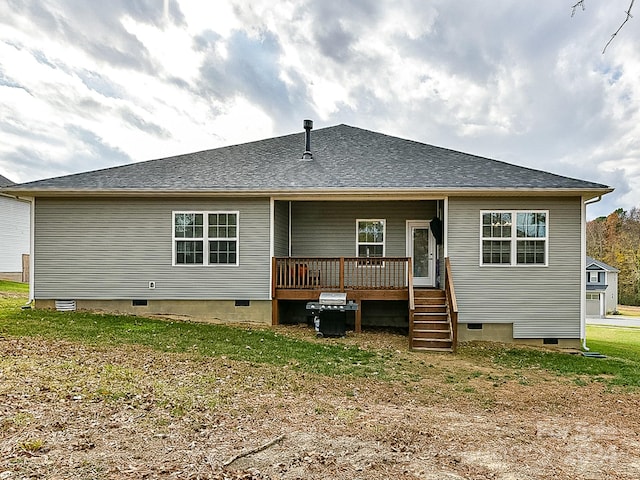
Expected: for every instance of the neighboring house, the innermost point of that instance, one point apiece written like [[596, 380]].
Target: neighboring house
[[252, 232], [14, 235], [602, 288]]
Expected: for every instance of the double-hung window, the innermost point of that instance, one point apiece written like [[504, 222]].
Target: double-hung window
[[370, 240], [514, 237], [205, 238]]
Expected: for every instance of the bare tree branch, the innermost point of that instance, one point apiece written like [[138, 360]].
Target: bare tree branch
[[627, 13], [246, 453], [579, 4]]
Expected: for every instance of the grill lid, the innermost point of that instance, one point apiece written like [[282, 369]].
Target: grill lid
[[333, 298]]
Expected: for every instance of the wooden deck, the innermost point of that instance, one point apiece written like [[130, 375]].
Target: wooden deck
[[433, 313], [304, 278]]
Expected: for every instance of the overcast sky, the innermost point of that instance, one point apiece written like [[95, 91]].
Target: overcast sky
[[92, 84]]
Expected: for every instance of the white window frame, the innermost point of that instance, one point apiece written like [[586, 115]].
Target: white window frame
[[593, 276], [514, 239], [205, 239], [374, 263]]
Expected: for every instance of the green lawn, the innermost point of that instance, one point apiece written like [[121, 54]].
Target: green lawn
[[620, 345], [268, 346], [14, 287], [619, 342], [257, 345]]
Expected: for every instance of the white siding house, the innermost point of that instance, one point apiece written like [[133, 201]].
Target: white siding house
[[14, 234]]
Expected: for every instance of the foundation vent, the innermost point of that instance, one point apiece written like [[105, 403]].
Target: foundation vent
[[66, 305]]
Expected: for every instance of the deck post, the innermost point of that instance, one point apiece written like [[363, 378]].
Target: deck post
[[274, 276], [275, 315], [342, 274], [359, 316], [274, 301]]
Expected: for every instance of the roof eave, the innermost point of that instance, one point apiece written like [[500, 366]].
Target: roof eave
[[587, 193]]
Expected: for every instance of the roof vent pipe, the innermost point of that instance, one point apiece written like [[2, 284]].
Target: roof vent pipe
[[308, 125]]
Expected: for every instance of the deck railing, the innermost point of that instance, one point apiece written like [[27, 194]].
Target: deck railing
[[412, 303], [452, 302], [341, 273]]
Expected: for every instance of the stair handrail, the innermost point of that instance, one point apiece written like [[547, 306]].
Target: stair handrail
[[452, 302], [412, 302]]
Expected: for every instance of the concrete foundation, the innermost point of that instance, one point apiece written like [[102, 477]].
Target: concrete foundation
[[11, 276], [212, 311], [259, 311], [503, 332]]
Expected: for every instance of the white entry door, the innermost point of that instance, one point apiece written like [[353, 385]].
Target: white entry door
[[421, 248]]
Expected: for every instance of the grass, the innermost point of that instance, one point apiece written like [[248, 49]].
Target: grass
[[618, 342], [265, 346], [14, 287], [255, 345], [620, 368]]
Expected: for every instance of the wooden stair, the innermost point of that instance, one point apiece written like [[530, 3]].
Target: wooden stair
[[430, 321]]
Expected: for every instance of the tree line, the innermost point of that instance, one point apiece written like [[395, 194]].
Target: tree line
[[615, 240]]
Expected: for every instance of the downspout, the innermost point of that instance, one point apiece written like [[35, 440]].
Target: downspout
[[445, 222], [32, 253], [583, 259], [272, 239], [289, 227]]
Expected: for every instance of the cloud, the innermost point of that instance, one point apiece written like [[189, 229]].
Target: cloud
[[516, 81], [90, 149], [6, 81], [250, 69], [97, 28], [99, 84], [336, 27], [144, 125]]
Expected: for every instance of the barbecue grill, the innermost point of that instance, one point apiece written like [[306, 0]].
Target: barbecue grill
[[329, 314]]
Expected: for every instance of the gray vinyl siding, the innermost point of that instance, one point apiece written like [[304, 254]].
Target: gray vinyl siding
[[328, 229], [112, 249], [281, 229], [541, 302]]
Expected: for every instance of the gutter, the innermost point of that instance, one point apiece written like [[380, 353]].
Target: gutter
[[313, 192], [593, 200], [14, 197]]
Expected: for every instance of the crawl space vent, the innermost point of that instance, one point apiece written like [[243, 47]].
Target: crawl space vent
[[66, 305]]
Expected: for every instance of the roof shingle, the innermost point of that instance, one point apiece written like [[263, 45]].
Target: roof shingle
[[344, 158], [4, 181]]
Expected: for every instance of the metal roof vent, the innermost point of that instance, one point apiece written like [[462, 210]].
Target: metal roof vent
[[308, 125]]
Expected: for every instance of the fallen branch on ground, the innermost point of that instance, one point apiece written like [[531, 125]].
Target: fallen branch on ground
[[246, 453]]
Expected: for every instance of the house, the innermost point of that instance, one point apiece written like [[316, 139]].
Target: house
[[602, 288], [14, 235], [451, 246]]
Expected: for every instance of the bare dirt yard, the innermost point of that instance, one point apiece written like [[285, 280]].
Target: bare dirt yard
[[71, 411]]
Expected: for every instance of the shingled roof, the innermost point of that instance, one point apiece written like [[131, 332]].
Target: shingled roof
[[4, 181], [345, 159], [600, 265]]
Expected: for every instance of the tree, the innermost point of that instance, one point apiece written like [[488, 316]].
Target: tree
[[616, 240], [627, 13], [596, 239]]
